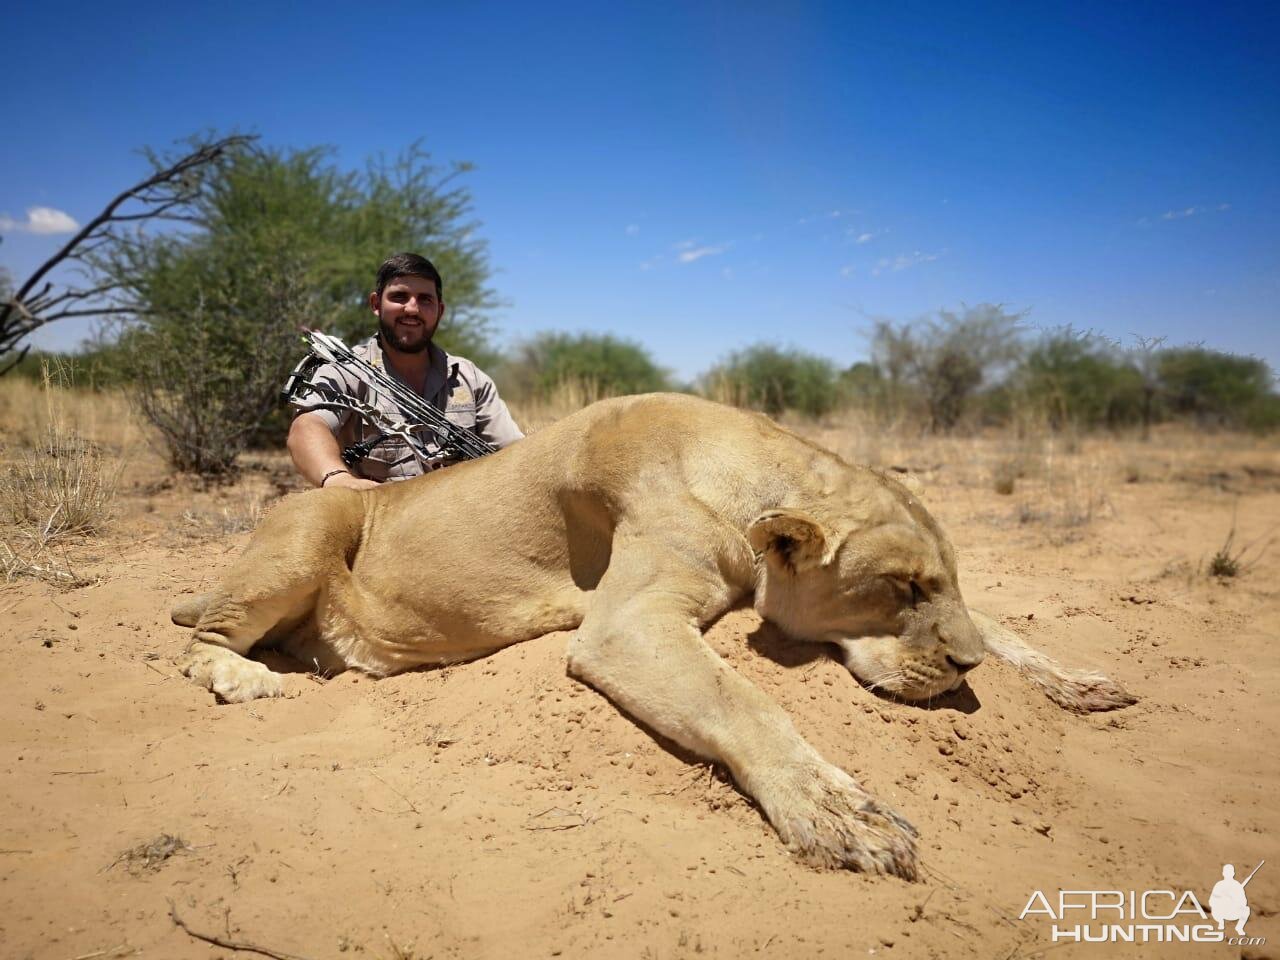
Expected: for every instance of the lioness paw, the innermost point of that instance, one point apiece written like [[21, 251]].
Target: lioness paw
[[829, 821], [231, 677]]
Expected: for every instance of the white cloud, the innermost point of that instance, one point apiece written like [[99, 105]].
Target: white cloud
[[633, 229], [848, 271], [40, 220], [901, 262], [1190, 212], [727, 273], [865, 237], [829, 215], [697, 253], [684, 245]]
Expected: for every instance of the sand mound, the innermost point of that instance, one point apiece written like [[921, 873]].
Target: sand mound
[[499, 808]]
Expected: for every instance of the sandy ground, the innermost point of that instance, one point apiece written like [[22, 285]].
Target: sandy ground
[[499, 809]]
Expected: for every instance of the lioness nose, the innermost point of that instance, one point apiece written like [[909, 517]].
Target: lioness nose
[[960, 666]]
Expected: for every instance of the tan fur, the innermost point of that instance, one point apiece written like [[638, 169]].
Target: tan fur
[[634, 522]]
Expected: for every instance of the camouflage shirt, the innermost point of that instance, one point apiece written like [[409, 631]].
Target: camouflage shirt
[[455, 385]]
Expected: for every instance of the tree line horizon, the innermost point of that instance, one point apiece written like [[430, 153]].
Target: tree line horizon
[[203, 321]]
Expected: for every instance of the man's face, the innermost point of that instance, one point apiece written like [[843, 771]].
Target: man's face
[[408, 313]]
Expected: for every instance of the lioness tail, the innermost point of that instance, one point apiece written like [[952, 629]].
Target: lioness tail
[[1080, 691]]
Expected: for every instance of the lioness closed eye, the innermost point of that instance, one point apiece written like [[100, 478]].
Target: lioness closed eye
[[634, 523]]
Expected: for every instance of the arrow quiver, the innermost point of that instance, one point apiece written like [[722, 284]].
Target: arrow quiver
[[422, 424]]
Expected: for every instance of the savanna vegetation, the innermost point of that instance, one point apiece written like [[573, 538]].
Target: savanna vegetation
[[244, 245]]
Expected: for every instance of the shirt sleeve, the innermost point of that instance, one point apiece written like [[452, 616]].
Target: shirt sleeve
[[493, 420], [331, 376]]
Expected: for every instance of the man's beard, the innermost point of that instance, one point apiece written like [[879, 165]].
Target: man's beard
[[397, 343]]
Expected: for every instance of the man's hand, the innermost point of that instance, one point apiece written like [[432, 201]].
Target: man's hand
[[350, 482], [315, 453]]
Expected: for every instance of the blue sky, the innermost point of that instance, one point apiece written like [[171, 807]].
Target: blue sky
[[702, 176]]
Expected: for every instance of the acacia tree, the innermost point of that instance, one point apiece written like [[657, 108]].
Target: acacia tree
[[946, 359], [280, 239], [165, 195]]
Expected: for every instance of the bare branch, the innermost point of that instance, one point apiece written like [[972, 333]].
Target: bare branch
[[226, 943], [40, 305], [162, 193], [16, 360], [95, 312]]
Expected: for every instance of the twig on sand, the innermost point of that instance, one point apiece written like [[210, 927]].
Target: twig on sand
[[122, 950], [583, 819], [412, 807], [226, 943]]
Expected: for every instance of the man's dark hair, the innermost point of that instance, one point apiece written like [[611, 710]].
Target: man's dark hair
[[408, 265]]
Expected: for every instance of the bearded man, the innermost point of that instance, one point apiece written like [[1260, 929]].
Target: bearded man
[[408, 301]]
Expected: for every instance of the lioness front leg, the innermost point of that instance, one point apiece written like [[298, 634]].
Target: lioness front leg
[[212, 664], [226, 630], [641, 645], [302, 544]]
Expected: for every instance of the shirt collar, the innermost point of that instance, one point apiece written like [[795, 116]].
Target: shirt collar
[[437, 369]]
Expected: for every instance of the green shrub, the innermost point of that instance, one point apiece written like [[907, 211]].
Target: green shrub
[[773, 379], [1080, 379], [604, 365], [1215, 387]]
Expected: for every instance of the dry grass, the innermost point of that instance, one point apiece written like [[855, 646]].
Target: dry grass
[[64, 488], [29, 408], [60, 464], [1054, 485], [30, 557], [568, 396], [226, 521], [62, 450], [150, 855], [726, 390], [1232, 560]]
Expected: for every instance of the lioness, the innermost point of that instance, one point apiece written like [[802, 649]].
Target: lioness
[[634, 522]]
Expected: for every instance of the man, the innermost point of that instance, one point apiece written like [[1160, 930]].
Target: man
[[408, 302]]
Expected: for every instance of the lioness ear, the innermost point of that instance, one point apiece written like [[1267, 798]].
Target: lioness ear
[[789, 538]]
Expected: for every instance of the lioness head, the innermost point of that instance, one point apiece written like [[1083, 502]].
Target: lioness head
[[879, 581]]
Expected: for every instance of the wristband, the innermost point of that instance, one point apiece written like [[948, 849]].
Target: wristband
[[332, 473]]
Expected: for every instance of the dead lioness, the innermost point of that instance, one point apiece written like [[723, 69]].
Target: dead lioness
[[634, 523]]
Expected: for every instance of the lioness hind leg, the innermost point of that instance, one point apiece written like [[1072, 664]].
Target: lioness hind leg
[[1080, 691], [640, 644]]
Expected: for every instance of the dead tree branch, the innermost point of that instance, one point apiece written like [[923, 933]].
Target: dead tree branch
[[162, 196]]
